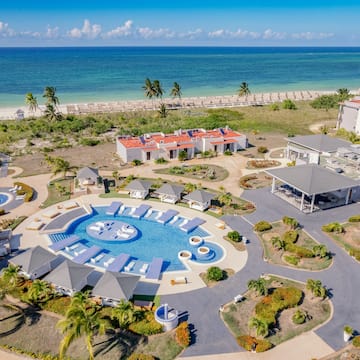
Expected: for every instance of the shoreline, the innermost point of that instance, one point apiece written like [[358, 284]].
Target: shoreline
[[221, 101]]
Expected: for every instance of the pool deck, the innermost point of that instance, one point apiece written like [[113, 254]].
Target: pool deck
[[233, 259]]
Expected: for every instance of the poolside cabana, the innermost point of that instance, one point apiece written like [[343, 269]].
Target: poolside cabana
[[199, 199], [113, 287], [138, 189], [87, 176], [36, 262], [312, 187], [170, 193], [69, 277]]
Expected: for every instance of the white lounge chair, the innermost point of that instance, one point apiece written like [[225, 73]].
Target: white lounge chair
[[96, 228], [127, 229], [109, 262], [97, 258], [72, 247], [77, 253], [129, 266], [144, 268]]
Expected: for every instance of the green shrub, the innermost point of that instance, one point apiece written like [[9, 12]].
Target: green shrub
[[290, 237], [333, 227], [262, 226], [299, 251], [293, 260], [227, 152], [290, 221], [263, 345], [182, 155], [2, 211], [262, 149], [247, 342], [161, 160], [356, 341], [234, 236], [325, 102], [137, 356], [288, 104], [355, 253], [299, 317], [274, 107], [182, 334], [146, 326], [355, 218], [214, 273], [89, 142]]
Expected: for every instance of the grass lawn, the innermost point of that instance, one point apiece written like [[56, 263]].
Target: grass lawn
[[277, 257], [237, 316], [55, 195]]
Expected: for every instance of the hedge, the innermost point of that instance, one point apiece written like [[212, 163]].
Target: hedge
[[262, 226], [356, 341], [182, 336], [333, 227], [299, 251], [355, 218], [290, 237], [147, 326], [293, 260], [250, 343], [26, 190]]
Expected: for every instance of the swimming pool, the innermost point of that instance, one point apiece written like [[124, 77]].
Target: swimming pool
[[4, 198], [153, 239]]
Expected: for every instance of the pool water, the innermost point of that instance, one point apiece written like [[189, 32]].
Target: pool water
[[153, 240], [4, 198]]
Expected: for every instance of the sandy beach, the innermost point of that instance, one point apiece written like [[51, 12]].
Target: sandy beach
[[226, 101]]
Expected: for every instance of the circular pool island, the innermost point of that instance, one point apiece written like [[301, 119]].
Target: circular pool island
[[112, 230]]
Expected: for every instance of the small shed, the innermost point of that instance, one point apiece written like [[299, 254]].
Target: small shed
[[69, 277], [19, 114], [170, 193], [138, 189], [113, 287], [87, 176], [36, 262], [199, 199]]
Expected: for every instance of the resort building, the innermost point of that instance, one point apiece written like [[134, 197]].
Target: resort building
[[307, 149], [349, 115], [87, 176], [199, 200], [138, 189], [168, 146]]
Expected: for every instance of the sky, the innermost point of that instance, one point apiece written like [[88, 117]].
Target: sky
[[179, 23]]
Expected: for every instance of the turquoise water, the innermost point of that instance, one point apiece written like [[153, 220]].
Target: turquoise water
[[118, 73], [153, 240], [3, 199]]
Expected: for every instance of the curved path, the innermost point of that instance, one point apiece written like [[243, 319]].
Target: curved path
[[341, 279]]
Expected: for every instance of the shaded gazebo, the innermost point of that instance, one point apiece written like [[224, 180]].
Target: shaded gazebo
[[138, 189], [199, 199], [113, 287], [170, 193], [87, 176]]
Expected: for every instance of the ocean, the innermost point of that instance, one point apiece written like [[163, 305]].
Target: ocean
[[89, 74]]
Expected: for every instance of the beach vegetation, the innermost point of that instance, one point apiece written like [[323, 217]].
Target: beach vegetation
[[343, 94], [288, 104], [176, 90], [50, 96], [89, 142], [159, 91], [274, 107], [148, 88], [163, 111], [244, 89], [31, 101], [51, 113], [326, 102]]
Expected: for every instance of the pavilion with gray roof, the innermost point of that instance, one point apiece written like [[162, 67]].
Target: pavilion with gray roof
[[199, 199], [87, 176], [308, 148], [170, 193], [114, 286], [308, 181], [138, 189], [69, 277], [36, 262]]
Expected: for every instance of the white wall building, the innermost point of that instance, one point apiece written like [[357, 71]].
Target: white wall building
[[349, 115]]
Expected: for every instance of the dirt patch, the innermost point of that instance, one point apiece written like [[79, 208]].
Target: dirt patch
[[267, 140], [255, 181], [352, 236]]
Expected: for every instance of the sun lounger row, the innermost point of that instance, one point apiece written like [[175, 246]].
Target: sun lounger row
[[141, 211], [167, 216], [59, 245], [117, 263], [113, 208], [191, 224], [154, 270]]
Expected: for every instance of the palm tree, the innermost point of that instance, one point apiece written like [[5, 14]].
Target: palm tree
[[31, 101], [225, 198], [59, 165], [40, 292], [125, 313], [176, 90], [50, 95], [81, 320], [163, 111], [10, 275], [277, 243], [343, 93], [149, 89], [258, 285], [315, 286], [51, 113], [261, 326], [244, 89], [159, 91], [190, 187]]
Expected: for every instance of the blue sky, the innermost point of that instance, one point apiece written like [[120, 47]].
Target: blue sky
[[184, 22]]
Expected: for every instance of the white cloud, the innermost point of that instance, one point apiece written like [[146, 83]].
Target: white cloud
[[269, 34], [5, 31], [52, 33], [121, 31], [312, 36], [191, 34], [87, 31], [148, 33], [238, 34]]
